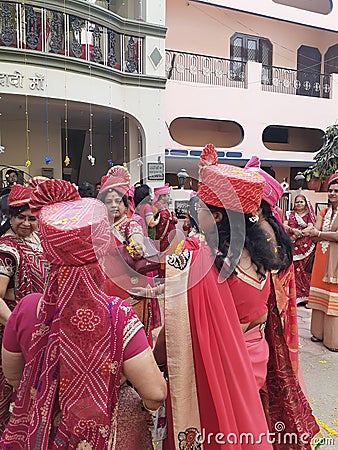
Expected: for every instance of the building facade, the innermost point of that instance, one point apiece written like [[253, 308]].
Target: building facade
[[254, 78], [82, 86]]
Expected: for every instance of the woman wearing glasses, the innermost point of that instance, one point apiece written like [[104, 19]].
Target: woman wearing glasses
[[22, 269], [323, 297]]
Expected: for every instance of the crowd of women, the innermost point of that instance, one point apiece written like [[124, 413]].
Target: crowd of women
[[79, 303]]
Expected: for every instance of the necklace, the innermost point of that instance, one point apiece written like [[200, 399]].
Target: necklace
[[328, 221], [119, 222]]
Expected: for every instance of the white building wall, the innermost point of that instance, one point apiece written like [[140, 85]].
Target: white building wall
[[269, 8]]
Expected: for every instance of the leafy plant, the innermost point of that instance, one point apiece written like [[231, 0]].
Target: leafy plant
[[327, 157]]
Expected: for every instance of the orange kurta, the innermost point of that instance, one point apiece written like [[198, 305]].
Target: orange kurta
[[323, 296]]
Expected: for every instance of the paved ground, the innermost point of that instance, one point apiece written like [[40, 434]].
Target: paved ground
[[320, 372]]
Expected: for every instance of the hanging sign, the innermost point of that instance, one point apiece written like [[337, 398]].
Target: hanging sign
[[155, 171]]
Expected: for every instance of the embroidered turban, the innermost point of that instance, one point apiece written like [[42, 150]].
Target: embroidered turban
[[161, 190], [333, 178]]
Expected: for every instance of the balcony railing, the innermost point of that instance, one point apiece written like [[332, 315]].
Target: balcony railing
[[28, 27], [295, 82], [204, 69]]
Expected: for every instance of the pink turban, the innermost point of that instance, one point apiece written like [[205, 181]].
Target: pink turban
[[272, 189]]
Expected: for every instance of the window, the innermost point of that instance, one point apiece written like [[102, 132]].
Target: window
[[276, 135], [309, 60], [331, 60], [244, 47]]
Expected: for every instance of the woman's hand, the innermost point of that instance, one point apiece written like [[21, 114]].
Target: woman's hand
[[135, 247], [297, 233], [310, 231], [139, 251]]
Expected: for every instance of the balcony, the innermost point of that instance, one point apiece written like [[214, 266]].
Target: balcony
[[195, 68], [209, 70], [38, 29], [295, 82]]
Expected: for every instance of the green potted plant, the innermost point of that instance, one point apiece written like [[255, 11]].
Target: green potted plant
[[326, 160], [312, 178]]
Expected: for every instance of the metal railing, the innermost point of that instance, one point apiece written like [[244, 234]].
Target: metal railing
[[295, 82], [195, 68], [28, 27]]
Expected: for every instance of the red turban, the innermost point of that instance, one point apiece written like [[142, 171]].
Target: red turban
[[333, 178], [117, 178], [228, 186], [19, 195]]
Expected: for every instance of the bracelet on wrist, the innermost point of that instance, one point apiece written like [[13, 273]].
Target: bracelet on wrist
[[144, 407], [318, 235]]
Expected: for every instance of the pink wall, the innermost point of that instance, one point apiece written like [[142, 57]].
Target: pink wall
[[198, 28]]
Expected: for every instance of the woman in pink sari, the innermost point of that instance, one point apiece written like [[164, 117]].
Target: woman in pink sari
[[214, 366], [127, 231], [68, 394], [209, 370]]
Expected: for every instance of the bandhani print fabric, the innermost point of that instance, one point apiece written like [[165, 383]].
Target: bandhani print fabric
[[226, 186], [68, 394]]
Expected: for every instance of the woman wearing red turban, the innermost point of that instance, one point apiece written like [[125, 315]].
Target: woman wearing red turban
[[82, 342], [23, 268]]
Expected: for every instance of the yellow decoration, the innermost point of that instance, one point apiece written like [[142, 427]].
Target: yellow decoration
[[28, 163], [326, 427], [131, 248], [322, 361], [67, 160], [125, 165], [179, 247]]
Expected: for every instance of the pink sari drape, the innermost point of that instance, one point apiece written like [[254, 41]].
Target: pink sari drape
[[226, 393]]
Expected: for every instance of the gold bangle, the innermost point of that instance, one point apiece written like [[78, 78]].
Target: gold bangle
[[150, 411]]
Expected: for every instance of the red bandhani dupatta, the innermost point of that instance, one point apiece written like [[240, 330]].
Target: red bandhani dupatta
[[69, 390], [212, 385], [284, 285]]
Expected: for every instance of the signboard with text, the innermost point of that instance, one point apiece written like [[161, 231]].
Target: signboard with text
[[155, 171]]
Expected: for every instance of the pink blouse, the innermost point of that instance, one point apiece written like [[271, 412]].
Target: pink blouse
[[250, 295], [21, 323]]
